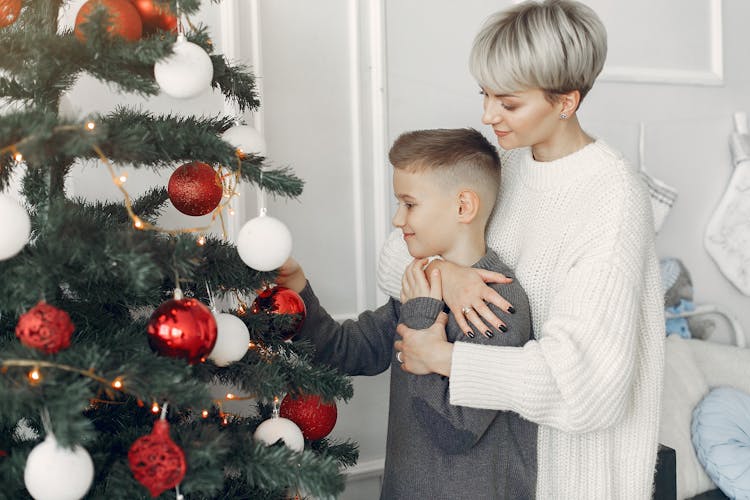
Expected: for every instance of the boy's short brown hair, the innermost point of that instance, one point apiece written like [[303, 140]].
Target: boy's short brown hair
[[461, 156]]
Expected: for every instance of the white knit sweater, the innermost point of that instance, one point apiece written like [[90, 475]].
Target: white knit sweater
[[578, 231]]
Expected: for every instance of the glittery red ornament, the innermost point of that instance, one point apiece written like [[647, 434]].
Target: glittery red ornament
[[156, 461], [123, 18], [314, 418], [45, 327], [182, 328], [281, 300], [155, 16], [9, 11], [195, 188]]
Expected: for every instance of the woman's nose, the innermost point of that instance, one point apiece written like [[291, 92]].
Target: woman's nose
[[491, 114]]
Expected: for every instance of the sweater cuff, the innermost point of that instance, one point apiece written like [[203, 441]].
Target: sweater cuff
[[469, 385], [421, 312]]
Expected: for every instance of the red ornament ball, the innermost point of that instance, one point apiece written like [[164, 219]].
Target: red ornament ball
[[314, 418], [9, 12], [156, 461], [182, 328], [46, 328], [155, 16], [281, 300], [123, 18], [195, 188]]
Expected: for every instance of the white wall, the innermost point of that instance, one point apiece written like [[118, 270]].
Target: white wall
[[342, 78]]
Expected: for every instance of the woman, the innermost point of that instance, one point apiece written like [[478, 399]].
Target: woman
[[574, 221]]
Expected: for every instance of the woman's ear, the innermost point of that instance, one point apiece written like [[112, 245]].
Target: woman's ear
[[468, 206], [569, 102]]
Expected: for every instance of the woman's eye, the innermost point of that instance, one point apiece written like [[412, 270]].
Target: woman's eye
[[508, 107], [483, 93]]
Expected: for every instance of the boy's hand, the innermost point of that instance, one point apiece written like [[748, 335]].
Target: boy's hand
[[291, 275], [414, 283]]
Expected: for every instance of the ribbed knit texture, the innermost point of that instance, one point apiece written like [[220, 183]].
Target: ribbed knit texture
[[434, 450], [579, 234]]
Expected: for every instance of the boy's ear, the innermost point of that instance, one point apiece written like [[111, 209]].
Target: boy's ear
[[468, 206]]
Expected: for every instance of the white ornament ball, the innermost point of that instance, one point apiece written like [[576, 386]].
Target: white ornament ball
[[56, 473], [277, 428], [15, 227], [246, 139], [232, 339], [264, 243], [187, 72]]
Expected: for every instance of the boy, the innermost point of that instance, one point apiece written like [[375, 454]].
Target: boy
[[446, 183]]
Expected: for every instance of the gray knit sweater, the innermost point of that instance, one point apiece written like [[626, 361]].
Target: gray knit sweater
[[435, 450]]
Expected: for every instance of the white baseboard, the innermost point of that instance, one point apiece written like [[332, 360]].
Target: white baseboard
[[365, 470]]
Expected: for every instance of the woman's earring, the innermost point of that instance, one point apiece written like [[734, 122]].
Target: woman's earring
[[563, 116]]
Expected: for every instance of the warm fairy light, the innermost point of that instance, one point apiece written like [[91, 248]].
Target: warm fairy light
[[242, 310], [251, 345], [18, 157], [137, 223], [204, 413], [230, 395], [117, 383], [201, 240], [231, 211], [155, 408], [275, 400], [91, 125], [225, 420], [35, 376], [122, 179]]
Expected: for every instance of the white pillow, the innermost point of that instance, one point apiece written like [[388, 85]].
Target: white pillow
[[684, 387]]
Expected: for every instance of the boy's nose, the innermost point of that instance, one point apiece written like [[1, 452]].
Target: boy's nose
[[398, 218]]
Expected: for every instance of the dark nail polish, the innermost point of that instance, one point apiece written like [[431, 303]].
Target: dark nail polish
[[470, 334], [489, 334], [512, 310], [503, 328]]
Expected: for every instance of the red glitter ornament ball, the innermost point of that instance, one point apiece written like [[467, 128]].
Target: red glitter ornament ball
[[155, 16], [195, 188], [281, 300], [156, 461], [314, 418], [45, 327], [123, 18], [9, 11], [182, 328]]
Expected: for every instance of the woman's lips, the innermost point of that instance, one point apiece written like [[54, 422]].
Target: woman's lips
[[501, 133]]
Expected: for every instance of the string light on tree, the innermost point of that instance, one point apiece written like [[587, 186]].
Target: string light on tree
[[15, 227], [56, 473]]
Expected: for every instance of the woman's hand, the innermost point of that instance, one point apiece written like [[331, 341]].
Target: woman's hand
[[425, 351], [466, 294], [414, 282], [291, 275]]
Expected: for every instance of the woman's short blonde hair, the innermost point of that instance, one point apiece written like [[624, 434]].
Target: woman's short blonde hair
[[555, 45]]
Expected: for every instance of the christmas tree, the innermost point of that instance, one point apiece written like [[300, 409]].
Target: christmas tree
[[111, 327]]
